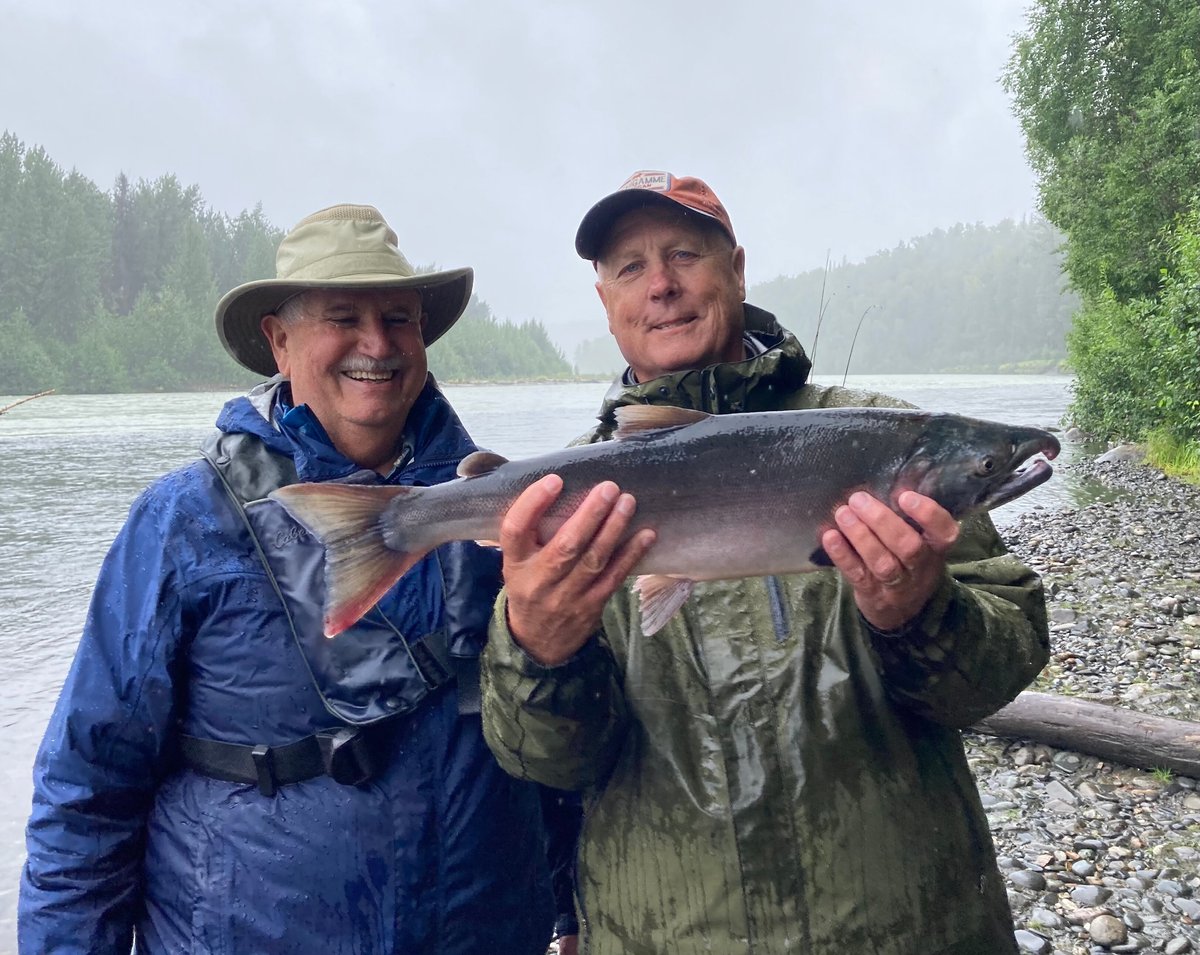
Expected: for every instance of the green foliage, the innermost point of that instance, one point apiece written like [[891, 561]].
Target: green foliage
[[97, 365], [1138, 362], [1108, 95], [25, 368], [1108, 347], [482, 348], [115, 292], [1168, 454], [1175, 327]]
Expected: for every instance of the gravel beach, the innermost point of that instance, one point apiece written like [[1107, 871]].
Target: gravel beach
[[1101, 857]]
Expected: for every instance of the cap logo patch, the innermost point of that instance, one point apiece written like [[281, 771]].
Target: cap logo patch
[[653, 181]]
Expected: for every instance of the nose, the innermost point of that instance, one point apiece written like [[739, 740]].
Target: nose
[[663, 284], [373, 339]]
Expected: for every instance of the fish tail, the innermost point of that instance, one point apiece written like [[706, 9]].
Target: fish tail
[[350, 520]]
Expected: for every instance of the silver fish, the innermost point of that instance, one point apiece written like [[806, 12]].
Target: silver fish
[[736, 495]]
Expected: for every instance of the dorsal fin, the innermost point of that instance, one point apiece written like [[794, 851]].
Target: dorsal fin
[[638, 419], [480, 462]]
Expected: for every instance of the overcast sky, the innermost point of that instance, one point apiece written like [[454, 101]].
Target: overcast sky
[[484, 130]]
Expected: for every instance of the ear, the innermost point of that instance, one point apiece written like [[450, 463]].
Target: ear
[[739, 269], [274, 330]]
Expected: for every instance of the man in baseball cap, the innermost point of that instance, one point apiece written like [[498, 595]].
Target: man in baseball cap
[[696, 318], [780, 767]]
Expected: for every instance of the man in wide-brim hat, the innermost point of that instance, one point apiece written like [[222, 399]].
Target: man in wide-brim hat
[[219, 775], [346, 320]]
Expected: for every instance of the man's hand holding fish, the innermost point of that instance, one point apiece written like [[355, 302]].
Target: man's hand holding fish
[[893, 567], [557, 589]]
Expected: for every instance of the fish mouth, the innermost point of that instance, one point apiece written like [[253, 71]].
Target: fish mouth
[[1024, 479], [1018, 483]]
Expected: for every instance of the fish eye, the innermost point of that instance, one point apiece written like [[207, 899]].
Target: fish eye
[[987, 465]]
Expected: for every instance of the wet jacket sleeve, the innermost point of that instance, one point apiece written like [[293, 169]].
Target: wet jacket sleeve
[[99, 762], [980, 640], [561, 726]]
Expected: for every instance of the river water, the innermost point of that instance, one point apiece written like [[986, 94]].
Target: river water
[[70, 465]]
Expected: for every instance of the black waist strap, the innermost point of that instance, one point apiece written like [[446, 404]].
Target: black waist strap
[[347, 754]]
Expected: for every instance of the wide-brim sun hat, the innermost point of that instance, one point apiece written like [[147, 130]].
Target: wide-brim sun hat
[[648, 187], [341, 247]]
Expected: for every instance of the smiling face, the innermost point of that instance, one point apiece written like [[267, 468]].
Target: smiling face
[[357, 359], [673, 288]]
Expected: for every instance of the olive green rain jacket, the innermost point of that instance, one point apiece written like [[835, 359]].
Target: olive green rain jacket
[[765, 774]]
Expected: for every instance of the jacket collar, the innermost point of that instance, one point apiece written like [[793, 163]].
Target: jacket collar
[[728, 387], [434, 439]]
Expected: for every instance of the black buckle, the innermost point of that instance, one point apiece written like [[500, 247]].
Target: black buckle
[[347, 755], [264, 768]]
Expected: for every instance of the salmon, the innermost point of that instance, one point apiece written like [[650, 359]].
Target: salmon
[[736, 495]]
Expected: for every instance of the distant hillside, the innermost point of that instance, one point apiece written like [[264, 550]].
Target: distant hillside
[[972, 298], [115, 291]]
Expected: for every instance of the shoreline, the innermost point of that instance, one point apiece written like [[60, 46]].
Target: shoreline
[[1101, 857]]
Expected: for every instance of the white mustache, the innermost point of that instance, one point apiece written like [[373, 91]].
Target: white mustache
[[361, 363]]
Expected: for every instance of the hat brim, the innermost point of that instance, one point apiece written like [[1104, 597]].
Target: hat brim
[[444, 297], [599, 219]]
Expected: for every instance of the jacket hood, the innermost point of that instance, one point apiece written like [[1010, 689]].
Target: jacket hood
[[728, 387]]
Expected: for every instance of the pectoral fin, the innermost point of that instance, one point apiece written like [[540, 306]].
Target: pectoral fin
[[660, 597]]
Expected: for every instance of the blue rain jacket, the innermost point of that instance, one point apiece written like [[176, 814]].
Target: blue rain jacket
[[442, 852]]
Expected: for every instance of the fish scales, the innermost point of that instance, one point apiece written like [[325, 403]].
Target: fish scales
[[728, 496]]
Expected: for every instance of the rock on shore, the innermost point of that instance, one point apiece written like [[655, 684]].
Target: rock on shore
[[1101, 857]]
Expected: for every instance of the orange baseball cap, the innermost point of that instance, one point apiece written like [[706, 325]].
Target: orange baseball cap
[[643, 188]]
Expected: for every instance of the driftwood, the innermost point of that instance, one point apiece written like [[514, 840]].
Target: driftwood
[[40, 394], [1110, 732]]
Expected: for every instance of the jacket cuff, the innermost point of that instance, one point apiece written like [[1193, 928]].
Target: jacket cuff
[[526, 665], [923, 629]]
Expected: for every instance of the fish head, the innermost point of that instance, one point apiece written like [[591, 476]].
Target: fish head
[[968, 465]]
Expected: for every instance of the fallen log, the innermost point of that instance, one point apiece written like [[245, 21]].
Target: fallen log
[[40, 394], [1110, 732]]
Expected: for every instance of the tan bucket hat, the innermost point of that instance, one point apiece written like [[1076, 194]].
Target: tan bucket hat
[[346, 246]]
